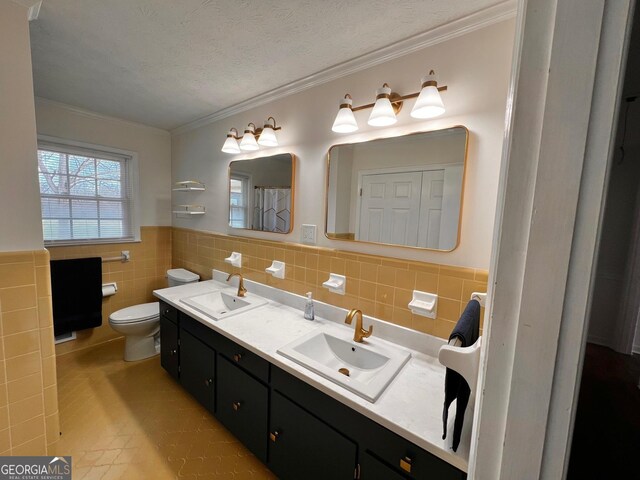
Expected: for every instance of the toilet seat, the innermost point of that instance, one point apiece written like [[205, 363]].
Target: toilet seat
[[136, 313]]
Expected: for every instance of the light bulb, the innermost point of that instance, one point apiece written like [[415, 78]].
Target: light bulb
[[231, 144], [429, 103], [382, 114], [268, 136], [345, 121], [248, 142]]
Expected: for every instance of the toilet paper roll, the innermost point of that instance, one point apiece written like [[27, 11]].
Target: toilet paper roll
[[109, 289]]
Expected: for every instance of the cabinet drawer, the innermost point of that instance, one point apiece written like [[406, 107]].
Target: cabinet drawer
[[242, 357], [169, 350], [197, 369], [373, 469], [200, 331], [406, 457], [242, 406], [168, 312], [304, 447]]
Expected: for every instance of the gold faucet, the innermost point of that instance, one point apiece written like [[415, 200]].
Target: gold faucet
[[241, 289], [360, 333]]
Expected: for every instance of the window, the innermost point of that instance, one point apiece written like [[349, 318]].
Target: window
[[239, 201], [86, 195]]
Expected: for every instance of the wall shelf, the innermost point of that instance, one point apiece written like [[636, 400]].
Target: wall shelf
[[188, 209], [188, 186]]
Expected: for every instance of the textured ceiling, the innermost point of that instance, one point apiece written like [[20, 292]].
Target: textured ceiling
[[166, 62]]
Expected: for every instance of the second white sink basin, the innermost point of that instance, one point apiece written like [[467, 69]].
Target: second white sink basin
[[219, 304], [360, 368]]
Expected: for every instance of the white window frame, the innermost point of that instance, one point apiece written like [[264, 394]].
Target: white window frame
[[247, 181], [133, 178]]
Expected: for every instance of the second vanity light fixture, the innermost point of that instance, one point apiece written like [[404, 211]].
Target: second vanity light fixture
[[253, 137], [388, 104]]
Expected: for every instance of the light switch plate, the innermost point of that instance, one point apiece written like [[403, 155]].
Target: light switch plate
[[309, 234]]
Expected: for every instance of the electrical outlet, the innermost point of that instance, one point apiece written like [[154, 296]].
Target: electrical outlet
[[309, 234]]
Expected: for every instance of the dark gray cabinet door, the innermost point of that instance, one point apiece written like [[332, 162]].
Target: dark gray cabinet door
[[197, 369], [242, 406], [169, 349], [301, 446]]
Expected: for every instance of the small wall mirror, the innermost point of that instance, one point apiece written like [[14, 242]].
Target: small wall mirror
[[261, 193], [404, 191]]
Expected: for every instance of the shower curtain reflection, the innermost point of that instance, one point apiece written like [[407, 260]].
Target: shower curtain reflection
[[272, 209]]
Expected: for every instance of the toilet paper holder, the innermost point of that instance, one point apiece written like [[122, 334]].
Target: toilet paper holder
[[109, 289]]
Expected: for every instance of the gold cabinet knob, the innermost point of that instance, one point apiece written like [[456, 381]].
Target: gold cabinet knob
[[208, 382], [173, 352], [236, 406], [274, 435], [405, 464], [237, 357]]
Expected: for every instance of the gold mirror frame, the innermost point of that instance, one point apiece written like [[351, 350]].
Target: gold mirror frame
[[293, 189], [331, 236]]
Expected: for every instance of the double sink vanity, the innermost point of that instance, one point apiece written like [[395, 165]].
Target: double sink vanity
[[303, 396]]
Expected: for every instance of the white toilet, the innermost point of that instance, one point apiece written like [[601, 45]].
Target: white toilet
[[140, 324]]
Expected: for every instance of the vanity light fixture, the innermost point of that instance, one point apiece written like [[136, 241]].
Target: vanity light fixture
[[345, 122], [248, 142], [253, 137], [231, 143], [388, 104]]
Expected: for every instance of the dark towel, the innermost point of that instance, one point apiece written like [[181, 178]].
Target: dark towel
[[76, 294], [455, 387]]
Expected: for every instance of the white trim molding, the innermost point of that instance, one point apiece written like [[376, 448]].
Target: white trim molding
[[33, 7], [462, 26]]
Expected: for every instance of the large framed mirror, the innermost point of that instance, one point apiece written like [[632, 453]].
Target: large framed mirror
[[404, 191], [261, 193]]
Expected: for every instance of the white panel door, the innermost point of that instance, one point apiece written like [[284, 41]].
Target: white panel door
[[390, 208], [431, 208]]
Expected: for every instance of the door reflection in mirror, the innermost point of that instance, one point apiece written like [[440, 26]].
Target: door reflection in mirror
[[404, 191]]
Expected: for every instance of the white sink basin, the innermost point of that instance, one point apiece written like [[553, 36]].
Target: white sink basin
[[360, 368], [220, 304]]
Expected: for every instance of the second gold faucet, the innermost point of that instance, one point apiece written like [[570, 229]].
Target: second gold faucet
[[360, 333], [241, 289]]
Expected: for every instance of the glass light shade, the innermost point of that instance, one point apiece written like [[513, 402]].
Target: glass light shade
[[345, 121], [429, 103], [268, 137], [248, 142], [382, 114], [230, 145]]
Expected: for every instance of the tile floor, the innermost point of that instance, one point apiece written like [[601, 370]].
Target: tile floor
[[122, 420]]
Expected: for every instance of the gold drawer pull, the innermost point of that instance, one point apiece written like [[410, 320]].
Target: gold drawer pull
[[236, 405], [237, 357], [405, 464], [274, 435]]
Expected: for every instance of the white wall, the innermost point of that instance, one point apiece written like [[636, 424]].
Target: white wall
[[268, 172], [475, 67], [20, 221], [152, 145]]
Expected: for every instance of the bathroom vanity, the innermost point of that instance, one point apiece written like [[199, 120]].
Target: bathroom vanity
[[300, 424]]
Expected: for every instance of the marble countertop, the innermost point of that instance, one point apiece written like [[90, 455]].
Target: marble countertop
[[411, 406]]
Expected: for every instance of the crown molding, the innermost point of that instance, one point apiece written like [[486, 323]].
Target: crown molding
[[462, 26], [100, 116], [33, 8]]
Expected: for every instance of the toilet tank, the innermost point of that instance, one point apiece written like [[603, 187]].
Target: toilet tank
[[180, 276]]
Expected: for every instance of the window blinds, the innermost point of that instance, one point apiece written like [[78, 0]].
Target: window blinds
[[85, 194]]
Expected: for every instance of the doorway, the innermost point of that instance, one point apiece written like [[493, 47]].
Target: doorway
[[606, 435]]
